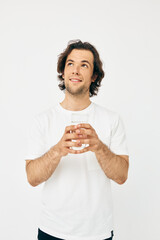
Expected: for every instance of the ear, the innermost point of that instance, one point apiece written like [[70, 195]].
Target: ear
[[94, 78]]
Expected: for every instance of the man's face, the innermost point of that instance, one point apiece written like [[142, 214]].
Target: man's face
[[78, 72]]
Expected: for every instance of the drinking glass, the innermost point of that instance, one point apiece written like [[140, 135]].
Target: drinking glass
[[77, 118]]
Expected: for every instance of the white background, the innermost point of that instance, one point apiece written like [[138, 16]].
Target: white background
[[126, 34]]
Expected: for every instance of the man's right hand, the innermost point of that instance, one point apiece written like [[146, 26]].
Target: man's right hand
[[41, 168]]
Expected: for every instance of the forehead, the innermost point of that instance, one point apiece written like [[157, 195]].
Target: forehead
[[80, 55]]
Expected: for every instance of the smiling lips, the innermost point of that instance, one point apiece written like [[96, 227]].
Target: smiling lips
[[75, 80]]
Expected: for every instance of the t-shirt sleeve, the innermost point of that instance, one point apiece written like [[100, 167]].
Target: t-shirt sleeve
[[35, 140], [118, 137]]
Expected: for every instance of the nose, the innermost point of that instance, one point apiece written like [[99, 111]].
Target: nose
[[76, 70]]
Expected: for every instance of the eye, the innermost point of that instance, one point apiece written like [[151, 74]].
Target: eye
[[85, 65], [69, 64]]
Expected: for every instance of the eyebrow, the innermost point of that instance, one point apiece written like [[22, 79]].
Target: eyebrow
[[84, 61]]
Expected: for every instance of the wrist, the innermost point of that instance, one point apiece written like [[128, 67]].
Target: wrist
[[100, 147], [56, 152]]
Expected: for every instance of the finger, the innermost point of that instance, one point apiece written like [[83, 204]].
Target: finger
[[86, 149], [85, 132], [72, 143], [72, 151], [70, 128], [84, 125], [87, 141], [69, 136]]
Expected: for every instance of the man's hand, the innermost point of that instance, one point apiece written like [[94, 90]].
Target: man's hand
[[75, 136], [83, 134], [89, 137]]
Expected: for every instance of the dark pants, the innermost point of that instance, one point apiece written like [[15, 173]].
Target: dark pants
[[45, 236]]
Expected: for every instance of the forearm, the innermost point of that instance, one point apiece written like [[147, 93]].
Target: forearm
[[40, 169], [114, 166]]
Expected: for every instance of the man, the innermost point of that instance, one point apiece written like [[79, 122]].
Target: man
[[76, 199]]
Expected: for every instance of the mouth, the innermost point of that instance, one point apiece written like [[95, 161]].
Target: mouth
[[75, 80]]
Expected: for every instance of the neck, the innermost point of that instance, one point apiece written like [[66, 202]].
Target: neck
[[75, 103]]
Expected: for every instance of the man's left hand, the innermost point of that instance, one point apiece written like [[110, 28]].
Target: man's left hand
[[87, 135]]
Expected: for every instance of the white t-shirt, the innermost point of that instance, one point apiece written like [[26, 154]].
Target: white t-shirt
[[76, 199]]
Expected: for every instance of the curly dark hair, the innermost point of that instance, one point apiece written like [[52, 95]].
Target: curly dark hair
[[97, 71]]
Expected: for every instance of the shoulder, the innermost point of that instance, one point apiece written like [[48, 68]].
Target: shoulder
[[106, 113], [47, 113], [44, 118], [108, 117]]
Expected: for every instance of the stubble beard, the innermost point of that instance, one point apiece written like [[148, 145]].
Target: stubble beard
[[78, 92]]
